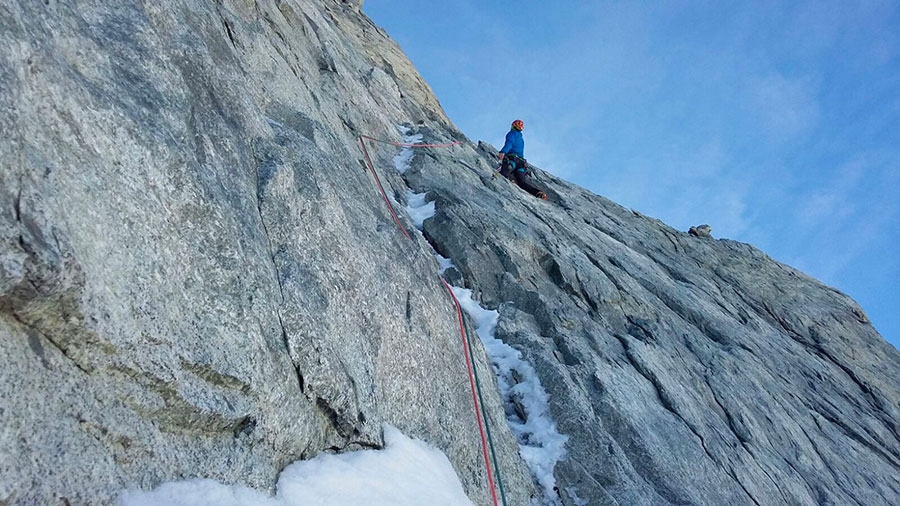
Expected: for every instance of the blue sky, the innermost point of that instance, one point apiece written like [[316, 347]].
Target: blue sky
[[777, 123]]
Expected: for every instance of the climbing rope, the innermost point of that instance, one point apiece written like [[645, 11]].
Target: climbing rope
[[405, 145], [474, 370], [474, 383], [378, 182], [475, 399]]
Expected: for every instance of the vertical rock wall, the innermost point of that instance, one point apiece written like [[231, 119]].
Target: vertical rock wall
[[197, 277], [684, 370]]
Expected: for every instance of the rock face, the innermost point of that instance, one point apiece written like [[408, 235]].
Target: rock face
[[700, 231], [684, 370], [198, 278]]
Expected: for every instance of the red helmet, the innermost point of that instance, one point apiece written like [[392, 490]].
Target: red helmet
[[518, 124]]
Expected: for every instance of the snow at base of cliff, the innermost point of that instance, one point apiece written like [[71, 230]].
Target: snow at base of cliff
[[407, 472]]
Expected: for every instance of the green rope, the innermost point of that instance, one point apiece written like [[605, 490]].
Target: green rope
[[487, 425]]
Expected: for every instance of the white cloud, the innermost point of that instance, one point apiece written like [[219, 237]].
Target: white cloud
[[783, 108], [823, 207], [847, 217]]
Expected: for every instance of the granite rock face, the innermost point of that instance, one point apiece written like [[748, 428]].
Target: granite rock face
[[198, 278], [700, 231], [685, 370]]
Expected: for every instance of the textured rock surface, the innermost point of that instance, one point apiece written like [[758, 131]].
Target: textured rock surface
[[198, 278], [685, 370], [700, 231]]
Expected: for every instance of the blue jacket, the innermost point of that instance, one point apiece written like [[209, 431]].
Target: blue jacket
[[515, 144]]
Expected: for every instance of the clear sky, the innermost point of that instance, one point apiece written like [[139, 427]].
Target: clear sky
[[777, 123]]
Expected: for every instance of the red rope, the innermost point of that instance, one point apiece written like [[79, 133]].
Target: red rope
[[381, 188], [405, 145], [462, 329], [484, 449]]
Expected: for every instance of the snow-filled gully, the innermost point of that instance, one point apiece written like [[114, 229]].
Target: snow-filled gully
[[540, 444]]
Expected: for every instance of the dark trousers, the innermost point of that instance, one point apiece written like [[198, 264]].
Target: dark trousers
[[524, 183], [515, 166]]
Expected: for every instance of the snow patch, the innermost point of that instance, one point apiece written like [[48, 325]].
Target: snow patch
[[407, 472], [403, 159], [418, 209], [274, 123], [443, 262], [573, 494], [540, 445]]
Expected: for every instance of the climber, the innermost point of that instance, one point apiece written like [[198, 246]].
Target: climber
[[513, 157]]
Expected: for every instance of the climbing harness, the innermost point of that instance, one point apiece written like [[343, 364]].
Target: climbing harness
[[477, 398]]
